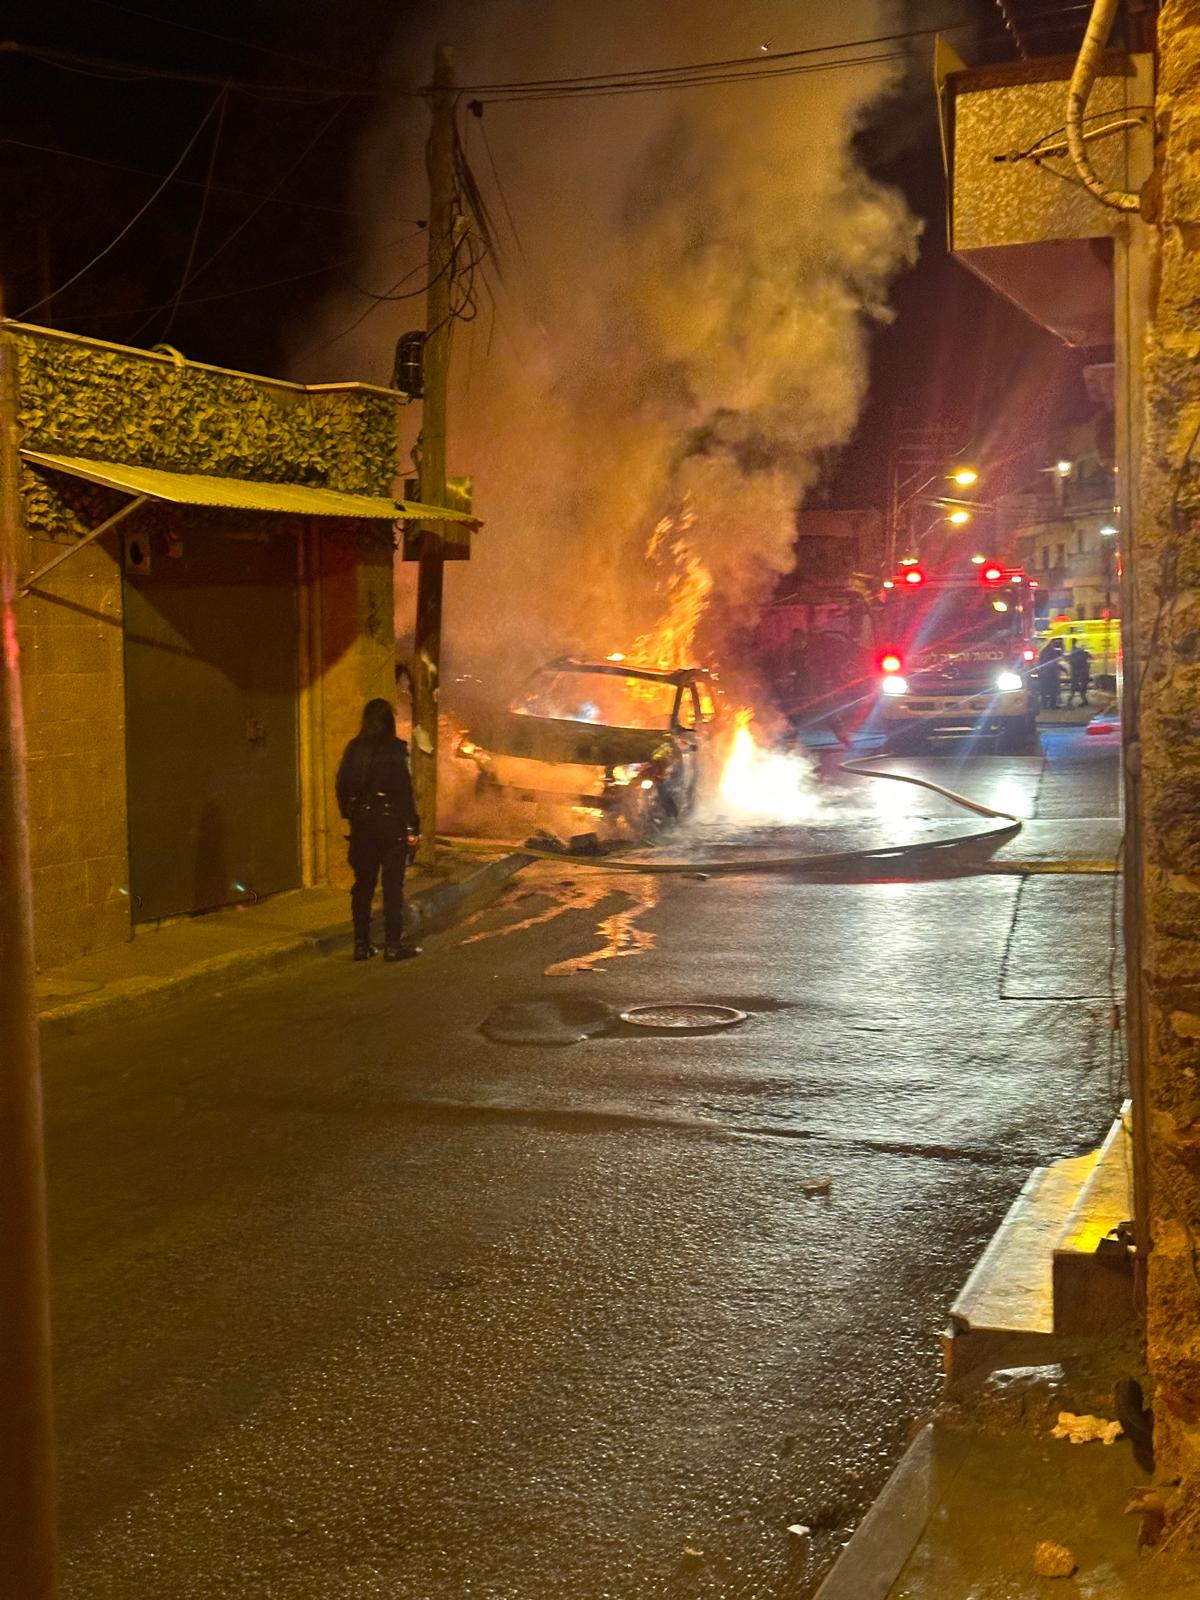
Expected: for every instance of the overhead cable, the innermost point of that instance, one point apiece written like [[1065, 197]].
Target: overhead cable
[[137, 216]]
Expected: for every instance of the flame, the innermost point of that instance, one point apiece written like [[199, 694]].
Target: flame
[[767, 785], [671, 642]]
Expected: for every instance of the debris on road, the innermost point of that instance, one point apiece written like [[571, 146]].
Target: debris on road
[[1083, 1429], [1051, 1560], [810, 1187]]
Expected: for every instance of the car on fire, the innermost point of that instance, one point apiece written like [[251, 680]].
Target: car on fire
[[611, 740], [957, 656]]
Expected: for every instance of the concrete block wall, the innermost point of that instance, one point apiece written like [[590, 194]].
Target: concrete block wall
[[72, 675], [1166, 750]]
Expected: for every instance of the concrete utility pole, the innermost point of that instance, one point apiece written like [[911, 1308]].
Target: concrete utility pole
[[443, 241], [27, 1558]]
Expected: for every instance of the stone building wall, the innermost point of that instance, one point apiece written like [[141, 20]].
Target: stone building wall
[[1167, 751]]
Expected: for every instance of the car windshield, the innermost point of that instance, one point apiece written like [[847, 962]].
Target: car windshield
[[576, 695], [951, 618]]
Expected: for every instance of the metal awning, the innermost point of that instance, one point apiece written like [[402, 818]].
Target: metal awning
[[242, 494]]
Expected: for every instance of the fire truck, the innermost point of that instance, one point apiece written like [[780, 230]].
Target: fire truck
[[956, 655]]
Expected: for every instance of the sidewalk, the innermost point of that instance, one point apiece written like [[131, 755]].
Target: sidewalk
[[961, 1516], [204, 952]]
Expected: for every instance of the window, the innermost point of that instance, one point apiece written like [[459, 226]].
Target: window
[[1060, 558], [707, 709], [1079, 543], [687, 714], [1045, 558]]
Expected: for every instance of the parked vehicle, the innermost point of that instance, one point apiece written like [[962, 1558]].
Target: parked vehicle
[[609, 739]]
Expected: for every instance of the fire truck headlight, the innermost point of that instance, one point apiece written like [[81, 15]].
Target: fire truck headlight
[[895, 684], [1009, 682]]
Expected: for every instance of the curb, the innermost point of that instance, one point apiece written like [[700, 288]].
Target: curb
[[431, 911], [889, 1533]]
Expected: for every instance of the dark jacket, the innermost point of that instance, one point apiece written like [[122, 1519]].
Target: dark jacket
[[1080, 662], [374, 785]]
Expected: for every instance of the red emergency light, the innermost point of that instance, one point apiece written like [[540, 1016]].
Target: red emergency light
[[914, 575], [889, 663], [992, 574], [1028, 655]]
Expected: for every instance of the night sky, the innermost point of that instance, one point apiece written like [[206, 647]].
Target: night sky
[[232, 261]]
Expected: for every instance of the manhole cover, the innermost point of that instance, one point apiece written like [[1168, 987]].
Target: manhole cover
[[558, 1020], [684, 1017]]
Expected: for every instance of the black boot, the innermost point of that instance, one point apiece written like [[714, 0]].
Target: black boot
[[401, 952], [364, 950]]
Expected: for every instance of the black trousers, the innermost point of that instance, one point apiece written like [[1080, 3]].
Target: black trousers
[[372, 856]]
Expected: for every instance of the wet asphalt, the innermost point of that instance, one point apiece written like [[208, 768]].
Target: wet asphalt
[[352, 1301]]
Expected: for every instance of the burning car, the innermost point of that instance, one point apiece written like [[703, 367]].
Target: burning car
[[608, 739]]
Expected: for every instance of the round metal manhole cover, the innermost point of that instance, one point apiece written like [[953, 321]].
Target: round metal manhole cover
[[683, 1017]]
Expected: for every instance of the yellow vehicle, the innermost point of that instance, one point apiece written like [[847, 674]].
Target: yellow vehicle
[[1102, 636]]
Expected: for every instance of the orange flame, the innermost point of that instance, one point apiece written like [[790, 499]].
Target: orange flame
[[671, 642]]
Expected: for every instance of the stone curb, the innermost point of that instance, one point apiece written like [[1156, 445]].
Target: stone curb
[[869, 1565], [429, 912]]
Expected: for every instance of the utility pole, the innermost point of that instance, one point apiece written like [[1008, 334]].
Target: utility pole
[[27, 1557], [443, 242]]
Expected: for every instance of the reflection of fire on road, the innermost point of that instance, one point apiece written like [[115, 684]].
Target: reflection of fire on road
[[618, 930]]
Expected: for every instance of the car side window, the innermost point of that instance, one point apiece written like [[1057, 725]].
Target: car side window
[[707, 709], [686, 716]]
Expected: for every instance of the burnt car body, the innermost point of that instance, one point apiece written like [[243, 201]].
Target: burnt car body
[[608, 739]]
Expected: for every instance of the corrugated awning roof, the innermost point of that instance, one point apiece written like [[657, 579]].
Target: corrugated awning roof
[[242, 494]]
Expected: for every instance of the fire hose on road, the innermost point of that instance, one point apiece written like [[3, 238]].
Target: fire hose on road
[[1008, 826]]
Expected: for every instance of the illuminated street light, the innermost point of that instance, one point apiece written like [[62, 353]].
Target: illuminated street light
[[1108, 531], [959, 517], [977, 561], [1063, 468], [965, 477]]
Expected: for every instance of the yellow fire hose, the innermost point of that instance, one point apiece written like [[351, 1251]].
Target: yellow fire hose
[[863, 768]]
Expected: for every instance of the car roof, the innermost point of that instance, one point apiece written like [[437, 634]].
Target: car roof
[[627, 669]]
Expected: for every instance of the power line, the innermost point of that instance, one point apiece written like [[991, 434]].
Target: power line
[[124, 71], [137, 216], [755, 64], [295, 166], [209, 33], [191, 255], [193, 183]]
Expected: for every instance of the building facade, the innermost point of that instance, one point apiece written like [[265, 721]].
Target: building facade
[[206, 603]]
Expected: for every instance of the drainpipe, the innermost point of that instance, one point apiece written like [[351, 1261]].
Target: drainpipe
[[1083, 79]]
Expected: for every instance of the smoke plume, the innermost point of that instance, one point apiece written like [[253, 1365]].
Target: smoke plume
[[676, 326]]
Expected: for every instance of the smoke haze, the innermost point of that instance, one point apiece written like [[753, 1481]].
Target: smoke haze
[[678, 326]]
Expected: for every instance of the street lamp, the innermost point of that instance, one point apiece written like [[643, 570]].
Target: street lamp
[[965, 477], [1063, 468], [959, 517], [1108, 531]]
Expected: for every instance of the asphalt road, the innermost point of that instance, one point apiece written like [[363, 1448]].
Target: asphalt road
[[351, 1301]]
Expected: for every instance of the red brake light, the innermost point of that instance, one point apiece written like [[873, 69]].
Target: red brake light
[[890, 664], [914, 575], [992, 574]]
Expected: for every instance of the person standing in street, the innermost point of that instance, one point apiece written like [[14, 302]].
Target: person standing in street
[[1079, 661], [375, 795], [1049, 674]]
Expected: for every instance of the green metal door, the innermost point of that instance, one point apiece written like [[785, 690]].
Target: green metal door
[[210, 718]]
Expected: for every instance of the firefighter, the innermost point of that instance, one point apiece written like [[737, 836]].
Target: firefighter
[[1050, 673], [1079, 660], [375, 795]]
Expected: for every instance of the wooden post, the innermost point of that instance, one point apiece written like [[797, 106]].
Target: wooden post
[[27, 1555], [443, 241]]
